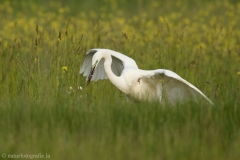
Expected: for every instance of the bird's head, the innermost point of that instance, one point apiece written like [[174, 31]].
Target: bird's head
[[95, 61]]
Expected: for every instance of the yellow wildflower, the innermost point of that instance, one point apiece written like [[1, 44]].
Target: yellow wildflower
[[64, 69], [35, 60]]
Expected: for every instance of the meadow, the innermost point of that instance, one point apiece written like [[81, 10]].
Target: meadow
[[46, 107]]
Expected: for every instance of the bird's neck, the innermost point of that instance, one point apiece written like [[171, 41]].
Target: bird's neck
[[117, 81]]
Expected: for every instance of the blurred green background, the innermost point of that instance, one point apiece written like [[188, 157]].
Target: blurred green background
[[42, 109]]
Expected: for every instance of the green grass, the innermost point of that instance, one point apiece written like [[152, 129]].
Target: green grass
[[42, 45]]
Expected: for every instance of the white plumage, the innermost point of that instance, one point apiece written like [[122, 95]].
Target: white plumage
[[159, 85]]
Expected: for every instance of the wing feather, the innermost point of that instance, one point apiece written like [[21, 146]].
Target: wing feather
[[87, 64], [119, 62], [174, 88]]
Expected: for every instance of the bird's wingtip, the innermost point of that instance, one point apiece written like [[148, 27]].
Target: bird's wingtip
[[93, 50]]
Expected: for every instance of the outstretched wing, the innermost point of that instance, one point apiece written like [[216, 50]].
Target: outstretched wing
[[119, 62], [174, 88]]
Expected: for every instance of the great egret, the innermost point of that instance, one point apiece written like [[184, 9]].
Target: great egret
[[160, 85]]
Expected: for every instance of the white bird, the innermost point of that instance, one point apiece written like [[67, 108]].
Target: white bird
[[159, 85]]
